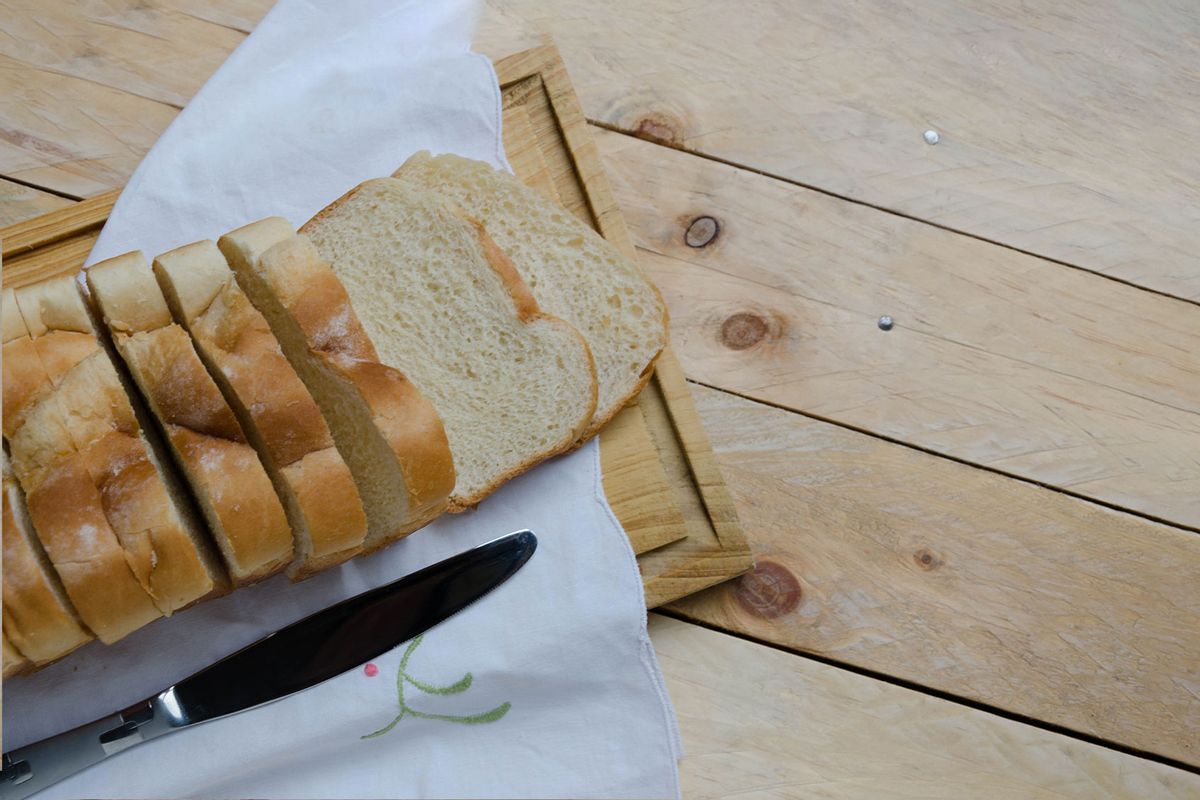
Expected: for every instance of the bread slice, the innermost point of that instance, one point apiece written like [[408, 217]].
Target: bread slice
[[151, 515], [235, 495], [68, 515], [39, 622], [441, 302], [389, 434], [33, 367], [572, 271], [274, 408], [14, 662]]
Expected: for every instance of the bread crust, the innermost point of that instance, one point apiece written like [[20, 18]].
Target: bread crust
[[14, 663], [106, 433], [172, 566], [37, 624], [316, 301], [68, 515], [406, 419], [269, 398], [235, 494]]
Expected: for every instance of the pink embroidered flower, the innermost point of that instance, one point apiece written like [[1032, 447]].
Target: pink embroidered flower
[[371, 670]]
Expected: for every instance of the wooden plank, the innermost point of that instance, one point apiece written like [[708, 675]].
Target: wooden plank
[[973, 584], [1108, 184], [715, 548], [19, 203], [144, 48], [760, 723], [238, 15], [1066, 129], [997, 358], [69, 134]]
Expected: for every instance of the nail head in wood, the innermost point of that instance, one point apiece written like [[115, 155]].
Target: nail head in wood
[[932, 137], [886, 323]]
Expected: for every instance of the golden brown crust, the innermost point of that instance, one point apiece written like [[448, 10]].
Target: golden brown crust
[[14, 663], [411, 426], [103, 429], [53, 305], [36, 621], [221, 466], [232, 478], [128, 295], [234, 491], [68, 515], [241, 349], [311, 293], [24, 384]]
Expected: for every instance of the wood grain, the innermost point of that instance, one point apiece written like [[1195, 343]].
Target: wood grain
[[1067, 128], [145, 49], [997, 358], [973, 584], [715, 548], [19, 203], [1061, 134], [760, 723], [69, 134], [634, 482]]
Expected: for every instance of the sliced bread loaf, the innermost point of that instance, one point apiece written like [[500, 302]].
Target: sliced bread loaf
[[164, 541], [274, 408], [235, 495], [441, 302], [389, 434], [572, 271], [39, 621]]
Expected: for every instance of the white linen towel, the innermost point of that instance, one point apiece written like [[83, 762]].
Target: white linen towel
[[565, 696]]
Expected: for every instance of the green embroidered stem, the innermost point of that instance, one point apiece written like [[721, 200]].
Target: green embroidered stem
[[457, 687]]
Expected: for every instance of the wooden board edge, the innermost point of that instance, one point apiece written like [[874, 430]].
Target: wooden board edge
[[40, 231], [547, 62]]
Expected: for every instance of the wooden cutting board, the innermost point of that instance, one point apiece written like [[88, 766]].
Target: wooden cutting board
[[659, 472]]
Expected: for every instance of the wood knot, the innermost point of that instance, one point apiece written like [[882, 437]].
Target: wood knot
[[768, 591], [743, 330], [927, 560], [702, 231], [657, 128]]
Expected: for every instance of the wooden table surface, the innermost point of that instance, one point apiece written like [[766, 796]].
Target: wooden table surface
[[977, 533]]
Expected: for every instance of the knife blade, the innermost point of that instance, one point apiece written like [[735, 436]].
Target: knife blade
[[297, 657]]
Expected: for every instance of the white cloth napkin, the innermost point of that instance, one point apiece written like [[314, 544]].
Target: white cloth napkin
[[565, 698]]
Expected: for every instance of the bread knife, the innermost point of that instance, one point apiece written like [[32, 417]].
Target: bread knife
[[290, 660]]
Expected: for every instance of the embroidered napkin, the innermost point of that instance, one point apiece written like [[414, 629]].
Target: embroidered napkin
[[547, 688]]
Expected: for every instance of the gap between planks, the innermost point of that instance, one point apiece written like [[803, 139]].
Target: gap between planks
[[946, 456], [608, 126], [966, 702]]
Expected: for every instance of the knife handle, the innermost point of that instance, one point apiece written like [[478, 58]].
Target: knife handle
[[30, 769]]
